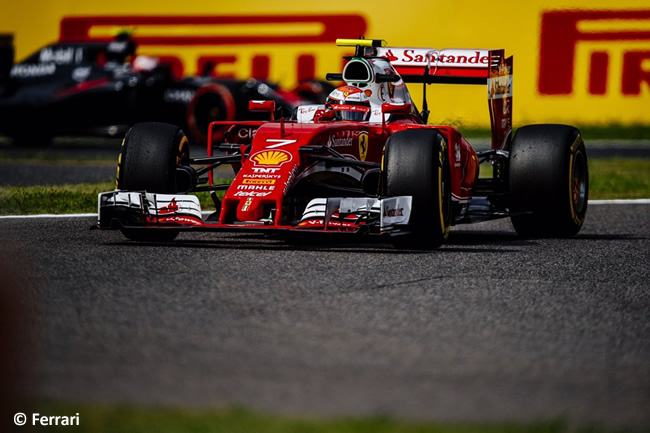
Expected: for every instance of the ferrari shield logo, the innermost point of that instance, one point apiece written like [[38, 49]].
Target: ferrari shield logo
[[363, 145]]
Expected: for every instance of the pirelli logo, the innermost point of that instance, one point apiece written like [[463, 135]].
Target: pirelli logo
[[222, 36], [618, 51], [248, 181]]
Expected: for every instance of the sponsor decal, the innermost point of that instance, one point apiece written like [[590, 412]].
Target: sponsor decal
[[60, 56], [271, 158], [363, 145], [246, 132], [251, 181], [312, 222], [251, 194], [81, 73], [256, 187], [500, 85], [457, 155], [562, 32], [178, 95], [32, 70], [247, 204], [393, 212], [265, 171], [180, 219], [344, 138], [290, 179], [307, 110], [260, 176], [333, 141], [444, 58]]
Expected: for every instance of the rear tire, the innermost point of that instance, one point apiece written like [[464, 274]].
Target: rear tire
[[549, 181], [416, 163], [147, 162]]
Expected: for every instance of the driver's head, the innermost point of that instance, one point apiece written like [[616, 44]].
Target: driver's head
[[121, 48], [349, 103]]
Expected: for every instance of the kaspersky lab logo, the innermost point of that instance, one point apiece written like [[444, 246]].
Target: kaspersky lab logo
[[620, 37]]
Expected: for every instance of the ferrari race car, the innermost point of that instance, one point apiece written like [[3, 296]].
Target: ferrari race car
[[365, 163], [97, 88]]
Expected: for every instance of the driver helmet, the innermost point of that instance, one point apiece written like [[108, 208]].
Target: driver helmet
[[121, 49], [349, 103]]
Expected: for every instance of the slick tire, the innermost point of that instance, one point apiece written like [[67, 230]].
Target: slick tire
[[549, 181], [211, 102], [148, 159], [416, 163]]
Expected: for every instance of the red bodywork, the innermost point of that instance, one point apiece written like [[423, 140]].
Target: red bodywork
[[275, 160]]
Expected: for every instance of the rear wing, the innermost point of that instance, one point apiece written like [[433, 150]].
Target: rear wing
[[462, 66], [449, 66]]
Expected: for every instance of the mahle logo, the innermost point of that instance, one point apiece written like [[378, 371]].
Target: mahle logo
[[613, 38]]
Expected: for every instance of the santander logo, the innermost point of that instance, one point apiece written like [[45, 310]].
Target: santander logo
[[401, 56]]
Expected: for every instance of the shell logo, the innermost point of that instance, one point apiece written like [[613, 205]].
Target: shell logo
[[273, 158]]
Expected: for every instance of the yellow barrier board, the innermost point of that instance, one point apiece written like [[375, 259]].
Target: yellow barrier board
[[577, 62]]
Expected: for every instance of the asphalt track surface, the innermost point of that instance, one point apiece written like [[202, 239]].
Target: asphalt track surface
[[489, 327]]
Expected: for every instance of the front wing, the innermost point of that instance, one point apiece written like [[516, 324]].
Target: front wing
[[352, 215]]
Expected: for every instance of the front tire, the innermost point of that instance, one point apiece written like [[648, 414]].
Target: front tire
[[147, 162], [549, 181], [416, 163]]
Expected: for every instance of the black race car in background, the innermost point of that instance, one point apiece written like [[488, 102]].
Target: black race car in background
[[96, 88]]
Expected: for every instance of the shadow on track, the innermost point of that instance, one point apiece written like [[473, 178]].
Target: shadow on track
[[465, 242]]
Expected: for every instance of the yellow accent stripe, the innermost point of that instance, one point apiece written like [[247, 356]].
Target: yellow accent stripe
[[360, 42], [442, 218]]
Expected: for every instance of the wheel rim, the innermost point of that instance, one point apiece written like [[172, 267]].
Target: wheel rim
[[444, 193], [579, 182], [210, 102]]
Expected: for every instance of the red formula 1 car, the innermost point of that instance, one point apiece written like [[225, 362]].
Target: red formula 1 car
[[364, 163]]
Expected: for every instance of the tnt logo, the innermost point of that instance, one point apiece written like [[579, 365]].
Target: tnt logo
[[214, 40], [563, 31]]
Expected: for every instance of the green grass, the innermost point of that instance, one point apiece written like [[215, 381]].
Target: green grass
[[589, 132], [619, 178], [615, 178], [60, 199], [135, 419]]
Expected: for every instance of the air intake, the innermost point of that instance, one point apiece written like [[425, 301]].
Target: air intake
[[357, 71]]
